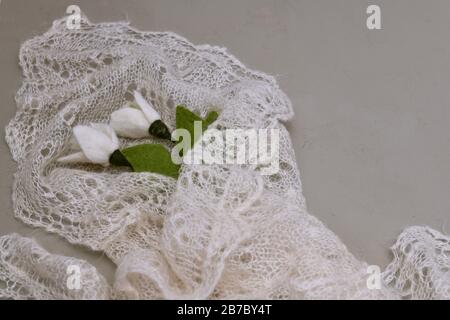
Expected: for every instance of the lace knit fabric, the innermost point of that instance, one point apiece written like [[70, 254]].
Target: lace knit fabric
[[220, 231]]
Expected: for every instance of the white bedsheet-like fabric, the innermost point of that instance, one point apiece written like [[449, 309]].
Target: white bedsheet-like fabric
[[222, 231]]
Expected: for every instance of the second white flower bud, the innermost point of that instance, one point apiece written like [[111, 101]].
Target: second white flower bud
[[139, 123]]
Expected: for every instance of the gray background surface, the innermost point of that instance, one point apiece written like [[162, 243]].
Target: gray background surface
[[371, 131]]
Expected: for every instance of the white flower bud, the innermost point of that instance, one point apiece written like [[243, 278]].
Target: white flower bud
[[97, 142], [134, 123], [130, 122], [150, 113]]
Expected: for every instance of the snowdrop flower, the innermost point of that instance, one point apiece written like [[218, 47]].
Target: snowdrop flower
[[130, 122], [96, 142], [139, 123]]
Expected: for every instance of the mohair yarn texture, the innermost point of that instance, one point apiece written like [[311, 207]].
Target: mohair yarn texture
[[216, 232]]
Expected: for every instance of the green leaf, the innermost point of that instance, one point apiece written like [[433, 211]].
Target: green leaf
[[210, 118], [185, 120], [151, 158]]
